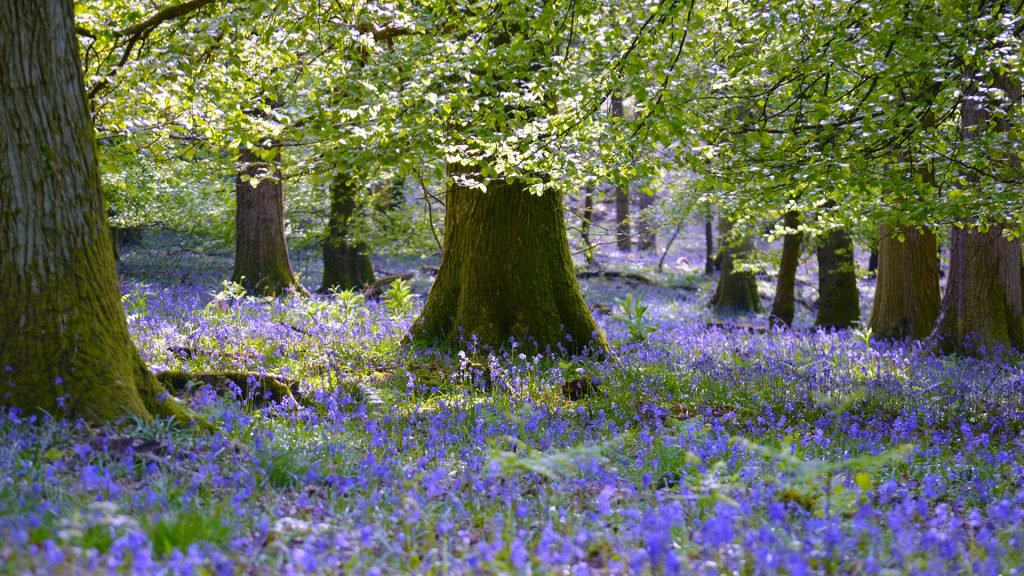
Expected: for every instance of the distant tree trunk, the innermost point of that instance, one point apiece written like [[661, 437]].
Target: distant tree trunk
[[585, 221], [838, 298], [907, 293], [648, 238], [873, 261], [64, 341], [736, 292], [345, 266], [982, 308], [506, 272], [709, 245], [622, 232], [261, 252], [784, 304]]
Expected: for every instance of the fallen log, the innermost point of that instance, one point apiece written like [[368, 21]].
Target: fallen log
[[260, 389]]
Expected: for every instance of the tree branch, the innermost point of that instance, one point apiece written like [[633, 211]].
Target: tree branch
[[161, 16]]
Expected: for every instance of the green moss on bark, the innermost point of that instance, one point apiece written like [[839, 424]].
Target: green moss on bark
[[506, 272], [64, 342], [838, 297]]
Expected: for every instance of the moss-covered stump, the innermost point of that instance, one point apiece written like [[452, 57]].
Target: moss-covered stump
[[506, 272], [260, 389]]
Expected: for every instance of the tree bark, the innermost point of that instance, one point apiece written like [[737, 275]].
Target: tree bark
[[346, 266], [907, 294], [621, 192], [873, 261], [736, 292], [709, 245], [838, 298], [261, 252], [981, 310], [64, 341], [585, 221], [648, 237], [784, 303], [506, 272]]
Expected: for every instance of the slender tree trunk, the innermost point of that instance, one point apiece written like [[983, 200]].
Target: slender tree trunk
[[622, 232], [345, 266], [873, 261], [838, 298], [907, 293], [784, 304], [585, 221], [709, 245], [261, 252], [982, 308], [736, 292], [64, 342], [506, 272], [648, 239]]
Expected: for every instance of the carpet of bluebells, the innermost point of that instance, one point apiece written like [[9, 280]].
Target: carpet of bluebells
[[695, 449]]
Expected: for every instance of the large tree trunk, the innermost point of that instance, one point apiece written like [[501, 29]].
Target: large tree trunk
[[982, 310], [838, 298], [648, 237], [982, 304], [784, 304], [345, 266], [907, 292], [736, 292], [261, 252], [64, 339], [506, 272]]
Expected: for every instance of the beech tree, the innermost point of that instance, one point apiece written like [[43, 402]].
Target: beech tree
[[982, 307], [838, 297], [347, 265], [784, 302], [907, 294], [64, 342], [262, 265]]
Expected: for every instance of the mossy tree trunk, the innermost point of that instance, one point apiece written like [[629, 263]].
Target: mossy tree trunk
[[982, 307], [64, 342], [506, 272], [838, 297], [736, 292], [261, 251], [982, 304], [346, 265], [907, 294], [784, 303]]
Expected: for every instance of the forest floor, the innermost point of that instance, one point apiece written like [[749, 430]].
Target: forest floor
[[700, 447]]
